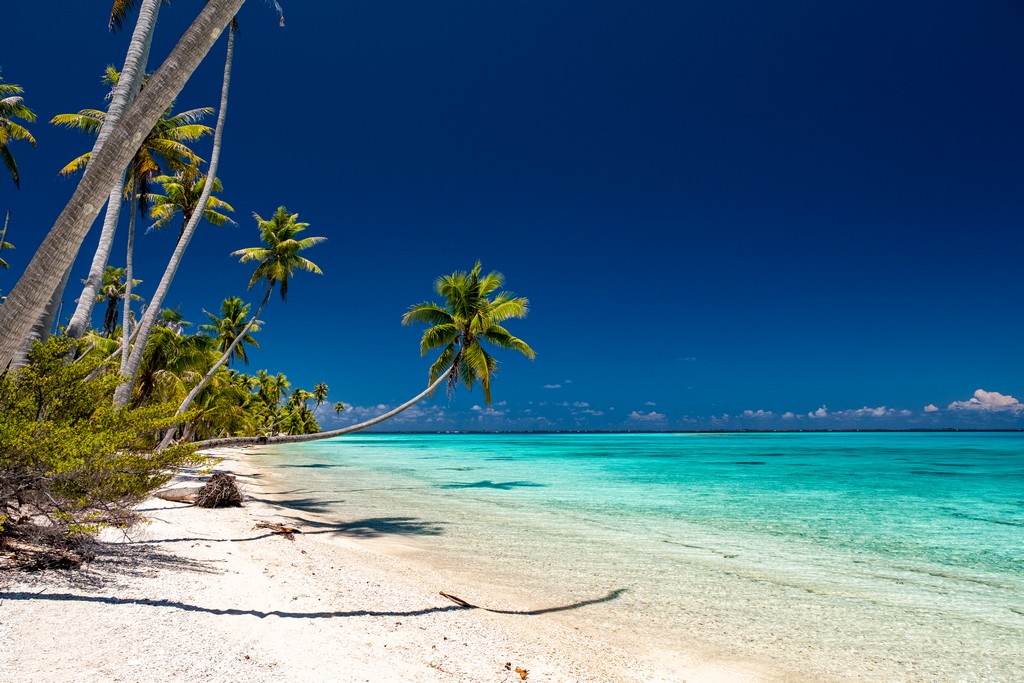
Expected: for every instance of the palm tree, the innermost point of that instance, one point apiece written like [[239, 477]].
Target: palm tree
[[338, 407], [113, 291], [183, 192], [167, 142], [12, 106], [44, 273], [319, 393], [131, 358], [4, 244], [276, 261], [123, 94], [468, 317], [229, 326]]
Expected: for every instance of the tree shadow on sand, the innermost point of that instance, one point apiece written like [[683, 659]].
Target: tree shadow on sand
[[174, 604]]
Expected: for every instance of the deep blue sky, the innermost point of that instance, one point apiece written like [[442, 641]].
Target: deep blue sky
[[713, 207]]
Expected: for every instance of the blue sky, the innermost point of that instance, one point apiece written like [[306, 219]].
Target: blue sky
[[795, 215]]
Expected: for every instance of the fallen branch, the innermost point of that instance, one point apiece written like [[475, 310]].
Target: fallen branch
[[279, 529]]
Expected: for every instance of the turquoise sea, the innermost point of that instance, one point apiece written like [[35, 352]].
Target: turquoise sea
[[855, 556]]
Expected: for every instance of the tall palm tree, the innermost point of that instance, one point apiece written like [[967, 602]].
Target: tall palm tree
[[123, 94], [12, 106], [319, 393], [339, 407], [468, 317], [230, 325], [166, 143], [113, 292], [183, 191], [277, 261], [131, 358], [4, 244], [44, 273]]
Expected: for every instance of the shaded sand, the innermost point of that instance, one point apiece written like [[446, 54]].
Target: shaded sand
[[202, 595]]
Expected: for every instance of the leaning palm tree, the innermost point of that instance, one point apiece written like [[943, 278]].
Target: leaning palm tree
[[12, 106], [469, 318], [164, 146], [43, 275], [277, 261], [131, 358], [166, 142], [230, 326], [128, 85]]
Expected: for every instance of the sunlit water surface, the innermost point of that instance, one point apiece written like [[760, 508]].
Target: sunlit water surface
[[882, 556]]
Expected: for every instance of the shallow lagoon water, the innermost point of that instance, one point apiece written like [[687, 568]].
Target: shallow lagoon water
[[893, 556]]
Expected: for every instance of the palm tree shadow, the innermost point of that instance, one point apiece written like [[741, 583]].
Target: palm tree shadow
[[372, 527], [186, 607], [488, 484]]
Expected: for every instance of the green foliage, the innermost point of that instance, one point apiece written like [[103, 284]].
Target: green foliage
[[468, 317], [69, 462]]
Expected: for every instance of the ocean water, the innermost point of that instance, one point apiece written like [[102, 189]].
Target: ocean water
[[889, 556]]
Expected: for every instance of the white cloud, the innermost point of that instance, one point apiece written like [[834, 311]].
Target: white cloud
[[580, 404], [552, 386], [646, 417], [687, 359], [758, 413], [991, 401], [568, 381], [931, 408], [788, 415], [880, 411], [651, 403], [819, 413]]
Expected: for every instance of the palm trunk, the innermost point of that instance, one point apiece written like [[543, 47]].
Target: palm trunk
[[60, 247], [132, 359], [87, 300], [169, 436], [128, 86], [126, 315], [40, 330], [3, 235], [299, 438]]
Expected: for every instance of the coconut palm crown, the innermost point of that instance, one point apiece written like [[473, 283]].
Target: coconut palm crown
[[12, 106], [468, 317], [279, 257]]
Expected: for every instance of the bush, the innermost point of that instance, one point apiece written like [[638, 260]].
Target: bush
[[69, 462]]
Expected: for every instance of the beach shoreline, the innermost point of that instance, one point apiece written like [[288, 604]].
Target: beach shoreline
[[200, 594]]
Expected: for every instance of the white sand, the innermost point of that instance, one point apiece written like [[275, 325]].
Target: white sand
[[200, 595]]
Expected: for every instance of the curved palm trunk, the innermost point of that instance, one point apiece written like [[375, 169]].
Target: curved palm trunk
[[128, 86], [133, 358], [126, 315], [42, 276], [169, 436], [299, 438]]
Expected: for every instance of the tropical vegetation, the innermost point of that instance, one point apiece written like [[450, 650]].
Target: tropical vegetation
[[95, 417]]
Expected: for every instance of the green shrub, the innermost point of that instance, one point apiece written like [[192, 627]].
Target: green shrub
[[69, 462]]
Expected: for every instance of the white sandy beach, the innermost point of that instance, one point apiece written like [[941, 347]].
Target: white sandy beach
[[200, 595]]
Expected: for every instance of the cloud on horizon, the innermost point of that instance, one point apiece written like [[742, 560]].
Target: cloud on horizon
[[646, 417], [988, 401]]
